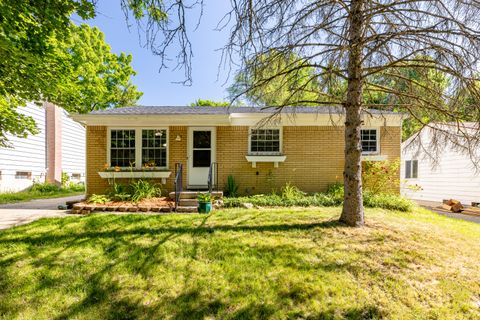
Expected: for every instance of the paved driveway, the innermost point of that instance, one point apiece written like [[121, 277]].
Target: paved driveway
[[435, 207], [14, 214]]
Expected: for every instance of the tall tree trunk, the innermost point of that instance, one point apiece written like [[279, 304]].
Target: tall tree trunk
[[352, 213]]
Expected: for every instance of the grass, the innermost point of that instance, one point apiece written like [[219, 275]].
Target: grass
[[239, 264], [10, 197]]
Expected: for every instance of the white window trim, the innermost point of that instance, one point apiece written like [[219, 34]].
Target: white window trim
[[364, 153], [266, 154], [138, 145]]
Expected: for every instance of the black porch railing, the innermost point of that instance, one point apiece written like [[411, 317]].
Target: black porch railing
[[178, 183], [213, 177]]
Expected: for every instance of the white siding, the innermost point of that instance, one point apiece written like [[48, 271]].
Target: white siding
[[26, 154], [73, 146], [453, 177]]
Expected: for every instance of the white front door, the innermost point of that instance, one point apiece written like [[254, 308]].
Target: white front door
[[201, 153]]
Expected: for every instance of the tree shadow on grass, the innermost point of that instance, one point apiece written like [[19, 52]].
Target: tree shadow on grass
[[104, 293]]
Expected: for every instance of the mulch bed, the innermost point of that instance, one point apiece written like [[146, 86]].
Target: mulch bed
[[162, 204]]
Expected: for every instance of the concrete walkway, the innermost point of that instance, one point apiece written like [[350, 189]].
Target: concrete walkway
[[15, 217], [434, 206], [14, 214], [44, 204]]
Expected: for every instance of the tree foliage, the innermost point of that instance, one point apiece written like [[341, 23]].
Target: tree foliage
[[209, 103], [46, 57]]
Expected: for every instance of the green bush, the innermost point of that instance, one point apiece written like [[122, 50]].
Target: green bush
[[44, 187], [77, 187], [387, 201], [292, 196]]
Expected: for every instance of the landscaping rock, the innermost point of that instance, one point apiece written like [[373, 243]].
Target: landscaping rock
[[77, 207], [155, 209], [123, 208], [166, 209], [247, 205], [133, 209], [144, 208], [112, 208]]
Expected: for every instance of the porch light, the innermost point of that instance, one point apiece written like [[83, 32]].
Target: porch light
[[178, 138]]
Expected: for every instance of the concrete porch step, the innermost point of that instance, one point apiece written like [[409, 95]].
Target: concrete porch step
[[194, 194], [187, 209], [188, 202]]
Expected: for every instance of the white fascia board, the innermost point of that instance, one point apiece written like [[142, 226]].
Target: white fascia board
[[154, 120], [234, 119]]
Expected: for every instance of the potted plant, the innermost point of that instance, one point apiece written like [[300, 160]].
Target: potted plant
[[204, 202]]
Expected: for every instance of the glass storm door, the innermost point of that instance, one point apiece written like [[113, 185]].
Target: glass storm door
[[201, 155]]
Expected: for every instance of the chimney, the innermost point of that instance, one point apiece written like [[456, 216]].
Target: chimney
[[53, 129]]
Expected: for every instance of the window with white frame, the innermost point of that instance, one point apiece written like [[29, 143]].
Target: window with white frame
[[138, 148], [265, 141], [369, 139], [23, 175], [411, 169], [122, 148], [154, 148]]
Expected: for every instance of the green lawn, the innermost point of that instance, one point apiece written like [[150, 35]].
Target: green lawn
[[239, 264], [11, 197]]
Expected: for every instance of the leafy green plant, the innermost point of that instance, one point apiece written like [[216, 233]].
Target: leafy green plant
[[204, 197], [381, 176], [44, 187], [120, 192], [73, 186], [98, 199], [291, 192], [143, 189], [231, 187], [65, 178]]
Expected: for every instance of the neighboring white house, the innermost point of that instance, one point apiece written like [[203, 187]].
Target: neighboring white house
[[434, 176], [58, 147]]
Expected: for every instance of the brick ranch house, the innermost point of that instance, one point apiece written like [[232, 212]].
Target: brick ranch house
[[303, 146]]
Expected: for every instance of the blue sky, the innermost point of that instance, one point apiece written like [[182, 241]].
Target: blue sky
[[157, 87]]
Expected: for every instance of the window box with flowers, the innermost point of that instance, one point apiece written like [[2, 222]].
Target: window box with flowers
[[137, 153]]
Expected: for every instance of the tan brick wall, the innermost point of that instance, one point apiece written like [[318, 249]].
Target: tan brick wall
[[314, 157], [96, 159]]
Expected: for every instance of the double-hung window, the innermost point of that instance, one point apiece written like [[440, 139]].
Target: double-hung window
[[154, 148], [122, 148], [265, 142], [369, 139], [411, 169], [138, 148]]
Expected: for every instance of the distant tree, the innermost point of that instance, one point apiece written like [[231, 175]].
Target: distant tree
[[209, 103], [259, 84]]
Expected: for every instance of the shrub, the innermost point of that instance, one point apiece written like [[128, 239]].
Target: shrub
[[332, 197], [381, 176], [387, 201], [44, 187], [77, 187], [98, 198], [231, 187], [65, 178], [143, 189], [291, 192]]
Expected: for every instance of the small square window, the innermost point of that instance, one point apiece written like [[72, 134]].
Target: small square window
[[265, 141]]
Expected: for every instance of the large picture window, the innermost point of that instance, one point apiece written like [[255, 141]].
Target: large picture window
[[265, 141], [369, 138], [137, 148], [122, 148], [154, 148]]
